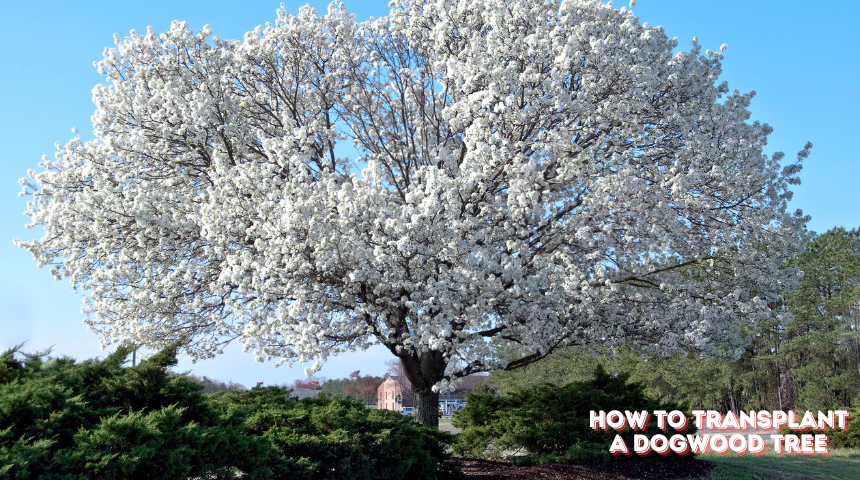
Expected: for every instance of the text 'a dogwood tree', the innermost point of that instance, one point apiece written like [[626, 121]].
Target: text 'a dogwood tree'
[[532, 175]]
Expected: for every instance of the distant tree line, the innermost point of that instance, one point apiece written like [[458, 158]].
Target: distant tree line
[[210, 385], [356, 386], [809, 359], [360, 387], [364, 387]]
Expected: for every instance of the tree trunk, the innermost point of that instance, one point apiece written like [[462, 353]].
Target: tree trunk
[[426, 407], [424, 368]]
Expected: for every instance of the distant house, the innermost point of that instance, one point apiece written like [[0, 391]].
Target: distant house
[[302, 393], [388, 391]]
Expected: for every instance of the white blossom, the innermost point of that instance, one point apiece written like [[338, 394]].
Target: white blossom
[[532, 175]]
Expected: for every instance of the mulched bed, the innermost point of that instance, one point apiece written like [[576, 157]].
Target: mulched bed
[[480, 469]]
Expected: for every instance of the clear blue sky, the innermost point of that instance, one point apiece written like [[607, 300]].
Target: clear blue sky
[[796, 54]]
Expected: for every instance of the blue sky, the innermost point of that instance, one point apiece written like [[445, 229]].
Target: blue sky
[[797, 55]]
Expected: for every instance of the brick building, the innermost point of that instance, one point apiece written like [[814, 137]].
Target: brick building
[[389, 389]]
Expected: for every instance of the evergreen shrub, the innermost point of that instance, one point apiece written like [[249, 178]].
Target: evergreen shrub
[[339, 438], [99, 419], [551, 423], [848, 438], [836, 437]]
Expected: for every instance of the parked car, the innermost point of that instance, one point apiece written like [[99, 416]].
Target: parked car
[[406, 410]]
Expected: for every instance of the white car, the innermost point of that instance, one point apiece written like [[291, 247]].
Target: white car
[[406, 410]]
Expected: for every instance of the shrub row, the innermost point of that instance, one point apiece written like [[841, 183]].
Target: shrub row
[[98, 419], [551, 423], [836, 437]]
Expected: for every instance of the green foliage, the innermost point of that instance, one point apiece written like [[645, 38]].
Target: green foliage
[[164, 444], [99, 419], [823, 341], [704, 384], [837, 437], [848, 438], [337, 438], [551, 423]]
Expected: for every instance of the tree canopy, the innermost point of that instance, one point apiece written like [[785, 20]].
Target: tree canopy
[[532, 175]]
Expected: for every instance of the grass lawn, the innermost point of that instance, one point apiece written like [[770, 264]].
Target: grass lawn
[[840, 465]]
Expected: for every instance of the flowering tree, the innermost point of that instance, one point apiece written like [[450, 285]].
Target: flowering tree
[[533, 175]]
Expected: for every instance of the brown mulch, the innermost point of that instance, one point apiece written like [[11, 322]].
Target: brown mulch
[[480, 469]]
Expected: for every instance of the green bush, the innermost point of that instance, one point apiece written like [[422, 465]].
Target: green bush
[[98, 419], [336, 438], [849, 438], [551, 423], [837, 437]]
